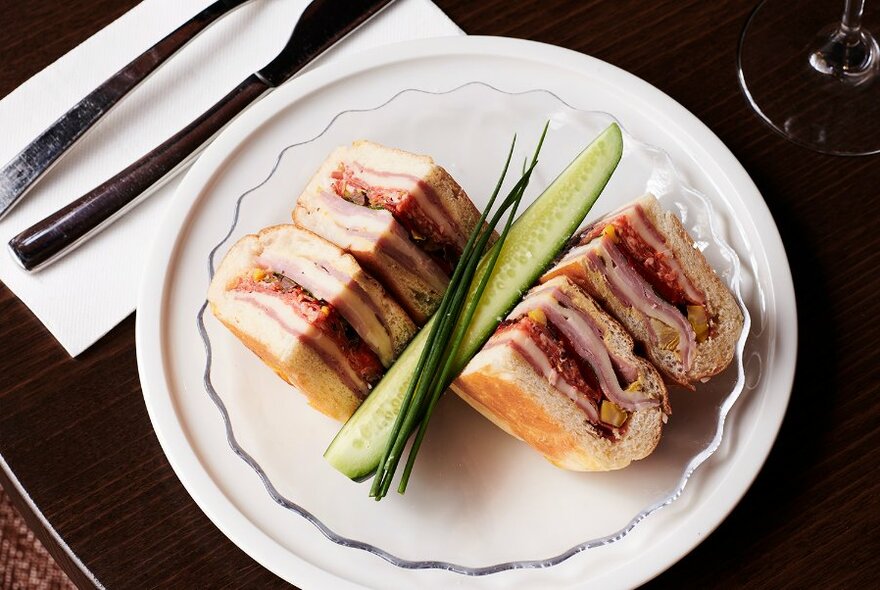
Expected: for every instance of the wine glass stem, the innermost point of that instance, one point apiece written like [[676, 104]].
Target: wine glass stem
[[851, 21]]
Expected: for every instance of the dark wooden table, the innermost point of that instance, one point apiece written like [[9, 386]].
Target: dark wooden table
[[75, 433]]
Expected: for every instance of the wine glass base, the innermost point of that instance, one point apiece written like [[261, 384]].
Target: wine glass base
[[789, 78]]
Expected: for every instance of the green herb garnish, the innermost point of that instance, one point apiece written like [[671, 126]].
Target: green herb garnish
[[427, 383]]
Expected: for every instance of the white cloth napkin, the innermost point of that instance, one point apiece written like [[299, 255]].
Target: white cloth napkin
[[81, 297]]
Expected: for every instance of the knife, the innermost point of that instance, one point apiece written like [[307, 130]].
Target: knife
[[26, 169], [322, 25]]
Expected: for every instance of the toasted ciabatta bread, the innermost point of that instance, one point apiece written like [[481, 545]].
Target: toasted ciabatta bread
[[400, 214], [689, 338], [311, 313], [522, 380]]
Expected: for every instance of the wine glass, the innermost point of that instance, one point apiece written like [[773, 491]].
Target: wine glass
[[812, 77]]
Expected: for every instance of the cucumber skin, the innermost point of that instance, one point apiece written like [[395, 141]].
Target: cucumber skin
[[357, 447], [358, 458]]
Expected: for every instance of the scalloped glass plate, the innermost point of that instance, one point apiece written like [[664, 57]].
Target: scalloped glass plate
[[480, 502], [465, 457]]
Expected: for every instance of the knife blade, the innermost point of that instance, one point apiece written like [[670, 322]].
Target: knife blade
[[26, 169], [323, 24]]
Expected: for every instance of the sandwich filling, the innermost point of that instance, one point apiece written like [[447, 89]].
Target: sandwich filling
[[544, 350], [643, 273], [646, 250], [411, 201], [341, 292], [316, 323], [565, 344], [357, 228]]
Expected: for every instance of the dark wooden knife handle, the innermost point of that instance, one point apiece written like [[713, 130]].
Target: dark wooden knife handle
[[67, 228]]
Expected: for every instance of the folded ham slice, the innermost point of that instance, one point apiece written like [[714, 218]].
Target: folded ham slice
[[586, 335], [380, 244]]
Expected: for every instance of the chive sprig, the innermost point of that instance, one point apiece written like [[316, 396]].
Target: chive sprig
[[446, 334]]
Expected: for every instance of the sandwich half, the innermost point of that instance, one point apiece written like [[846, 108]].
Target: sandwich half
[[310, 312], [642, 266], [561, 375], [400, 214]]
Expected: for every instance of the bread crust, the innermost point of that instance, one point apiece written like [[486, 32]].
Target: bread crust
[[714, 354], [452, 197], [304, 369]]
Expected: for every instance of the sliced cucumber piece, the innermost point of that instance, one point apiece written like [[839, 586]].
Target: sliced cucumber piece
[[534, 240], [357, 449]]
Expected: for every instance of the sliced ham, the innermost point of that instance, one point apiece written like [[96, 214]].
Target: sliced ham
[[343, 292], [624, 365], [520, 342], [654, 256], [605, 257], [381, 186], [585, 336], [646, 231], [358, 228]]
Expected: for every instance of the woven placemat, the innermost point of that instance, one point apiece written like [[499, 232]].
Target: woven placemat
[[24, 562]]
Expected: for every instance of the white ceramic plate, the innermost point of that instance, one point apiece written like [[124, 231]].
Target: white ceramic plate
[[480, 502]]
